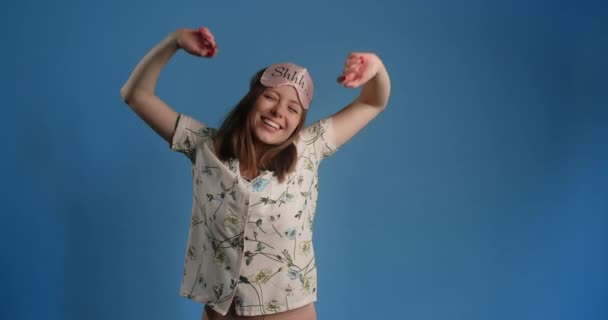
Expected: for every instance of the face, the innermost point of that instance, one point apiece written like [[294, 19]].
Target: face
[[277, 112]]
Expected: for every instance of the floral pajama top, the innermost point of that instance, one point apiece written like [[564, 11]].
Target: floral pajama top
[[251, 240]]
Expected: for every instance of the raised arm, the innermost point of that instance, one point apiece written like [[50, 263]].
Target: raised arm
[[139, 90], [368, 70]]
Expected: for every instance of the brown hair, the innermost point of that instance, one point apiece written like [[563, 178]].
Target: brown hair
[[234, 139]]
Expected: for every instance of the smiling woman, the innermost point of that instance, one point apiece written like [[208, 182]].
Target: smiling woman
[[276, 114], [255, 179], [261, 129]]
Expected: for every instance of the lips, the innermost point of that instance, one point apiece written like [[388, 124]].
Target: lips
[[270, 124]]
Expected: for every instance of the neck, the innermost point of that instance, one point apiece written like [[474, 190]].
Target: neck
[[260, 148], [250, 172]]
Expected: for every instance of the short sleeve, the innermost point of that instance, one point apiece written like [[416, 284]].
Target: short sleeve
[[189, 135], [318, 138]]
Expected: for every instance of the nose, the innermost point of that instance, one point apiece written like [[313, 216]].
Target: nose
[[277, 110]]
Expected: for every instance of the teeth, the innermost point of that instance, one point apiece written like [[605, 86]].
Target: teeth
[[270, 123]]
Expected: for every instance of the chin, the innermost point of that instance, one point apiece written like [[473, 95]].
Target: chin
[[266, 138]]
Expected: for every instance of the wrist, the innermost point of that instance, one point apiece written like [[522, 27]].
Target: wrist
[[174, 39]]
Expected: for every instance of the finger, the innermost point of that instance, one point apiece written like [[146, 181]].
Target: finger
[[348, 84], [352, 84], [350, 60], [358, 61], [204, 31], [209, 46], [354, 74], [214, 49], [347, 76], [211, 52], [207, 41], [354, 79], [343, 80], [354, 64], [352, 68], [207, 38], [207, 52]]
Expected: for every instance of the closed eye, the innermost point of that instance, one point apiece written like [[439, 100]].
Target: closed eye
[[293, 109], [270, 97]]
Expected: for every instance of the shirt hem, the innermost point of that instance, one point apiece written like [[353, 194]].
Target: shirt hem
[[241, 312], [204, 301]]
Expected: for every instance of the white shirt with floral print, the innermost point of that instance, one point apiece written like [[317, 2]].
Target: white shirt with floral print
[[251, 240]]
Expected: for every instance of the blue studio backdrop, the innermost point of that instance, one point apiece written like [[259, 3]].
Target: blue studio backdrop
[[480, 193]]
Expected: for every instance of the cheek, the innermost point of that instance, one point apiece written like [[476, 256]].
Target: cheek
[[293, 122]]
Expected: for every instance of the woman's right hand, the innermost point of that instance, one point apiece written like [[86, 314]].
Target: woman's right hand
[[200, 43]]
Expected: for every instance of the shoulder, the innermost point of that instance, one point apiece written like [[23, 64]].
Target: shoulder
[[317, 129], [317, 138], [188, 124], [190, 134]]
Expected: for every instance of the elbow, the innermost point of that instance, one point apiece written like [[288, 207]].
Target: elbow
[[384, 104], [380, 107], [124, 94], [129, 94]]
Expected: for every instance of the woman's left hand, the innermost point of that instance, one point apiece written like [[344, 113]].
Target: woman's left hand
[[359, 68]]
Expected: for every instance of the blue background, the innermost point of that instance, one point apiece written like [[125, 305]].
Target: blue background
[[480, 193]]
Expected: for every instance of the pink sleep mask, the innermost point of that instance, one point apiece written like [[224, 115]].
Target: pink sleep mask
[[287, 73]]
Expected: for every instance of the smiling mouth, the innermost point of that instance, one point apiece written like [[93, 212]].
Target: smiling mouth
[[271, 124]]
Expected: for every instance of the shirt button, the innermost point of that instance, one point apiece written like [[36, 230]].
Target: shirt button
[[247, 202]]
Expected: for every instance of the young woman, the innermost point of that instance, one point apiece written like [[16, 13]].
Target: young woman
[[250, 253]]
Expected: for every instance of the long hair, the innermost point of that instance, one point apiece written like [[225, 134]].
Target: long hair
[[234, 139]]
